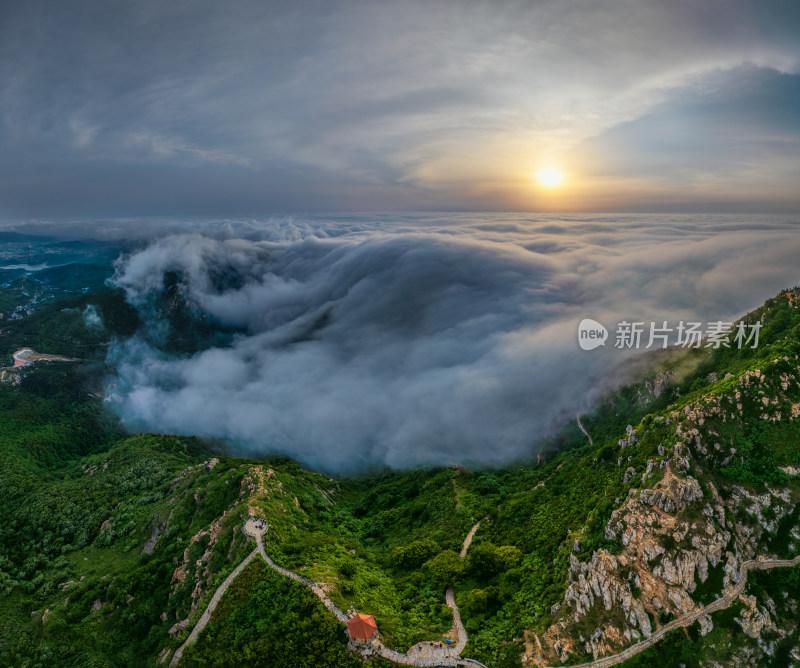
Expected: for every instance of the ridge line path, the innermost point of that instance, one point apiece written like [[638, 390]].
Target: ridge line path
[[327, 602], [429, 655], [206, 616], [721, 603], [583, 429]]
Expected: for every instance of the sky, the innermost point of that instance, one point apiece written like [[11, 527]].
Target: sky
[[257, 107]]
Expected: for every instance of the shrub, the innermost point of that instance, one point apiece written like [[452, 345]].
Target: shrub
[[445, 569], [414, 554]]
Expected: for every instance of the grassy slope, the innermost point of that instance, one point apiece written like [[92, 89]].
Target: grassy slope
[[374, 540], [270, 620]]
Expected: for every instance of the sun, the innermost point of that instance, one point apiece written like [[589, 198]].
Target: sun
[[550, 177]]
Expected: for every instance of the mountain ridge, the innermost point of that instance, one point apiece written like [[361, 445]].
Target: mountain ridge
[[140, 534]]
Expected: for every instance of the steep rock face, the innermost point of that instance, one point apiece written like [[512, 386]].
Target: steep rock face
[[654, 388], [754, 618], [598, 582], [676, 531], [647, 578], [633, 588], [202, 573]]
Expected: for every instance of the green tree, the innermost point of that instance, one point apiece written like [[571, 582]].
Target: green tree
[[414, 554], [507, 557], [481, 559], [445, 569]]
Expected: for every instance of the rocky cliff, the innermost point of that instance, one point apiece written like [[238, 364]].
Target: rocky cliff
[[692, 516]]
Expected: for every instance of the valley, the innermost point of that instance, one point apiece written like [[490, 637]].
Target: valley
[[654, 534]]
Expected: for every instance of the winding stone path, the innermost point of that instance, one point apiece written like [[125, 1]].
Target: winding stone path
[[450, 599], [201, 623], [432, 654], [725, 601], [468, 539], [327, 602], [583, 429], [424, 654]]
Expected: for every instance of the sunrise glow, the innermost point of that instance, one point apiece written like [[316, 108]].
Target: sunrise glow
[[550, 177]]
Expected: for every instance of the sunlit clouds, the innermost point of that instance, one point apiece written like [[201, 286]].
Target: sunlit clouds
[[147, 108]]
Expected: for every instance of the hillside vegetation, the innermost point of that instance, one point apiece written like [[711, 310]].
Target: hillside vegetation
[[112, 545]]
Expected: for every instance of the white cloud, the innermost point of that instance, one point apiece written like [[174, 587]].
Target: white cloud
[[418, 340]]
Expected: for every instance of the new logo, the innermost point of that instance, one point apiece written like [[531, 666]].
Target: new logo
[[591, 334]]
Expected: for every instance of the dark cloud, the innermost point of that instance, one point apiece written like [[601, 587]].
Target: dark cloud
[[208, 108], [421, 340]]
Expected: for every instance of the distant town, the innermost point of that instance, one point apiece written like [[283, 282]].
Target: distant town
[[24, 358]]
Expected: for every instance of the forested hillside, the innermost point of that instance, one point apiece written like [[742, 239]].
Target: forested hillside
[[112, 545]]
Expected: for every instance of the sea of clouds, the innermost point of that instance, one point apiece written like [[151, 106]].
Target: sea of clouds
[[424, 339]]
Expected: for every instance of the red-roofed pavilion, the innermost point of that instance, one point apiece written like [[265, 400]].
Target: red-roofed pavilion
[[362, 627]]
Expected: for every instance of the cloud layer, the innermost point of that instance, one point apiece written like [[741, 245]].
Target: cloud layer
[[421, 340]]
